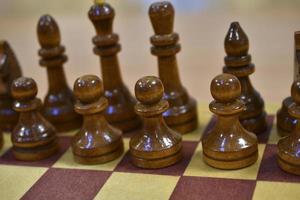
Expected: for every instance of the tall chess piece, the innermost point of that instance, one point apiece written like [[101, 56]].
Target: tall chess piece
[[9, 70], [228, 145], [156, 145], [289, 146], [120, 111], [33, 138], [59, 102], [238, 63], [182, 113], [285, 122], [97, 141]]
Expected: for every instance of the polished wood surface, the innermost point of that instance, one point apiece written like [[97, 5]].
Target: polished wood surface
[[9, 70], [33, 138], [289, 146], [155, 145], [285, 122], [59, 101], [97, 141], [120, 110], [228, 145], [238, 63], [182, 113]]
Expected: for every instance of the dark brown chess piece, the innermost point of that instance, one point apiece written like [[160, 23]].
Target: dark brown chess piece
[[289, 146], [155, 145], [120, 111], [97, 141], [228, 145], [182, 113], [9, 70], [238, 63], [33, 138], [59, 102], [285, 122]]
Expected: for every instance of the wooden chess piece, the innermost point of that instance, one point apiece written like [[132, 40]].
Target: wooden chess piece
[[97, 141], [228, 145], [58, 105], [289, 146], [9, 70], [120, 111], [182, 113], [238, 63], [33, 138], [156, 145], [285, 122]]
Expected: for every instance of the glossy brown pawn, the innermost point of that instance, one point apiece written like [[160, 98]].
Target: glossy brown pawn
[[182, 113], [155, 145], [238, 63], [59, 102], [120, 110], [97, 141], [9, 70], [228, 145], [285, 122], [289, 146], [33, 138]]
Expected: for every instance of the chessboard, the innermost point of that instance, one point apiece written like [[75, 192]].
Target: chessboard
[[59, 177]]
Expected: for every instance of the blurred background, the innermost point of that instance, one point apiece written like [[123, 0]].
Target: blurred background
[[202, 25]]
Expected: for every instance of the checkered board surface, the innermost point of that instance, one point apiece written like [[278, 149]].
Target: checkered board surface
[[59, 177]]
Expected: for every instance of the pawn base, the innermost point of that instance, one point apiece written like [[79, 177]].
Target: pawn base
[[288, 167], [256, 124], [157, 163], [128, 125], [91, 160], [231, 164], [36, 153]]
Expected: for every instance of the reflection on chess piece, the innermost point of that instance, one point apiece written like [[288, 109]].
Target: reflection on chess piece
[[285, 122], [182, 113], [289, 146], [156, 145], [59, 102], [9, 70], [238, 63], [33, 138], [120, 111], [228, 145], [97, 141]]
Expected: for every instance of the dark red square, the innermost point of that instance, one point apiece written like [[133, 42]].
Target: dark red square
[[269, 169], [197, 188], [64, 143], [178, 169], [67, 184]]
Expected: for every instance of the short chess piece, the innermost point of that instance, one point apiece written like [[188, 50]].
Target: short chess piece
[[120, 110], [289, 146], [284, 121], [182, 113], [97, 141], [155, 145], [228, 145], [238, 63], [58, 105], [33, 138], [9, 70]]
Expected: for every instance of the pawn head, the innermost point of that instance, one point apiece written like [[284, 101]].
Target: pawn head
[[225, 88], [48, 32], [236, 41], [295, 91], [88, 88], [149, 90], [24, 88], [162, 17]]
